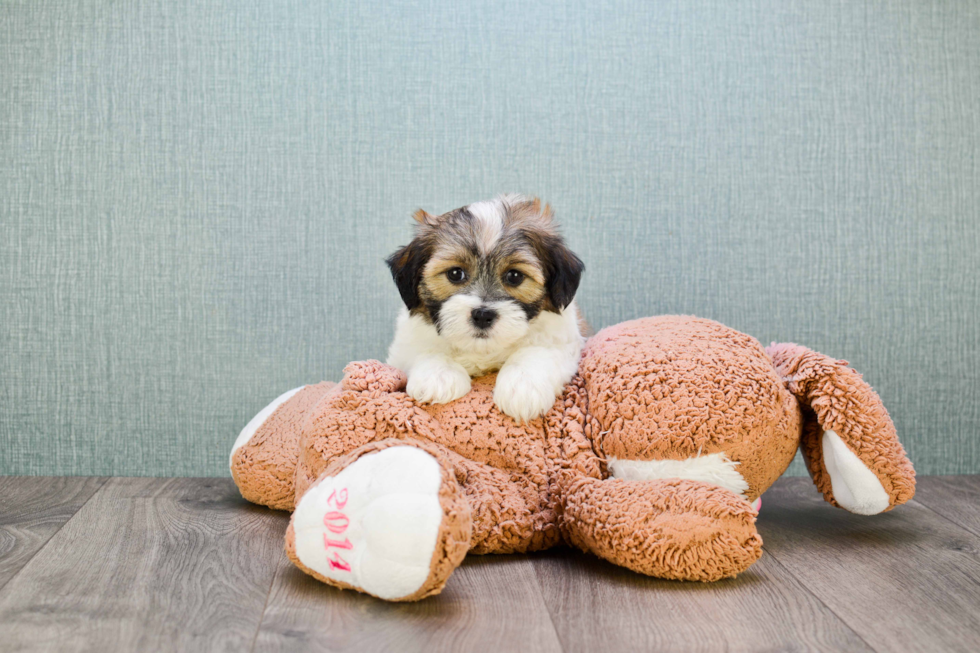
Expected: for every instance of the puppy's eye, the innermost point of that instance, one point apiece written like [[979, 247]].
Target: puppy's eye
[[513, 278], [456, 275]]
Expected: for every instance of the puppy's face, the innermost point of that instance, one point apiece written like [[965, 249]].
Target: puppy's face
[[481, 273]]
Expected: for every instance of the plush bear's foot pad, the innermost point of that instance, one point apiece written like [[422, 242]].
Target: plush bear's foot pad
[[388, 524]]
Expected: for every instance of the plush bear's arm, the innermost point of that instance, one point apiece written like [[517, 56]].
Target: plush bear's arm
[[371, 406], [849, 442], [668, 528]]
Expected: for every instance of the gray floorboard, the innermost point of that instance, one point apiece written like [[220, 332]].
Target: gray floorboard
[[32, 510], [187, 565], [905, 580], [957, 498], [490, 603], [147, 565], [598, 606]]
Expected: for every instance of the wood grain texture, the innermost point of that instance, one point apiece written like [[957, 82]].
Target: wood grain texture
[[595, 606], [957, 498], [905, 580], [187, 565], [490, 603], [148, 564], [32, 510]]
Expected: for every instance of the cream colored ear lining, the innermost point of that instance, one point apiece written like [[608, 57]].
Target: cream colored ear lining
[[856, 488]]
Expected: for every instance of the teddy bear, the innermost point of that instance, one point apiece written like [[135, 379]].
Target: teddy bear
[[653, 458]]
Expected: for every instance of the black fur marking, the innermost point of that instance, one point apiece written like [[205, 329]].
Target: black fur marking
[[531, 310], [566, 273], [562, 267], [406, 267], [433, 309]]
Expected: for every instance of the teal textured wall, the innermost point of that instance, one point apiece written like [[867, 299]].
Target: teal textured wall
[[196, 196]]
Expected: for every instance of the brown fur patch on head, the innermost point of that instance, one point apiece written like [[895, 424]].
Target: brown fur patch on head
[[447, 255]]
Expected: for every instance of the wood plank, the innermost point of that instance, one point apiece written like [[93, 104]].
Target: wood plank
[[957, 498], [186, 564], [491, 602], [596, 605], [34, 508], [148, 564], [905, 580]]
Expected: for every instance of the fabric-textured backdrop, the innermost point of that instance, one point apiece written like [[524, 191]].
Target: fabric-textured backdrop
[[196, 197]]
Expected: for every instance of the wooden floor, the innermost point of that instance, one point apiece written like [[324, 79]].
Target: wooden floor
[[136, 564]]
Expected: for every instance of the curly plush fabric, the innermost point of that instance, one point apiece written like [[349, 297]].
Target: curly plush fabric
[[501, 466], [671, 528], [678, 387], [270, 455], [670, 396], [455, 531], [836, 398]]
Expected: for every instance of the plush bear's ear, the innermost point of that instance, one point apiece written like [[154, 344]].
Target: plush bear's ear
[[406, 267]]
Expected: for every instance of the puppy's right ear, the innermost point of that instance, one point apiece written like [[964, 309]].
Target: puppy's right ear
[[406, 267], [425, 219]]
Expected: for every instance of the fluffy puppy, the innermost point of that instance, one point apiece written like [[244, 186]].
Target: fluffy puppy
[[489, 286]]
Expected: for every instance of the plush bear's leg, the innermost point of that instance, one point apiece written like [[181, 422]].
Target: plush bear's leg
[[389, 519], [263, 459], [848, 442], [512, 505], [669, 528]]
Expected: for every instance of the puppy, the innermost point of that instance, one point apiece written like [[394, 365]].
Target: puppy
[[489, 286]]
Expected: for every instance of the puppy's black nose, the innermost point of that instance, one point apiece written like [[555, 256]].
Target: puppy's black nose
[[483, 317]]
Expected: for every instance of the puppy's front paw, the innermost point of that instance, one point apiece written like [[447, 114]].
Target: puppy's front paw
[[436, 381], [523, 392]]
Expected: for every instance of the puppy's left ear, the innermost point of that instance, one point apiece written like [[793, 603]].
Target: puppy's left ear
[[406, 267], [564, 272]]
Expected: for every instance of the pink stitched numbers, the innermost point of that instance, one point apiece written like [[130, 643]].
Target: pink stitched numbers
[[337, 522], [338, 501]]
